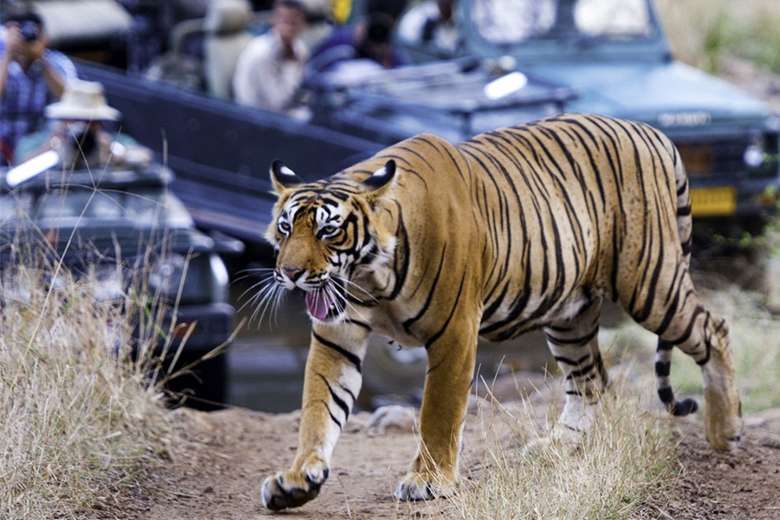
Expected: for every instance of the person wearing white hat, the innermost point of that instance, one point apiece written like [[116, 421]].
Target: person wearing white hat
[[82, 101], [79, 131]]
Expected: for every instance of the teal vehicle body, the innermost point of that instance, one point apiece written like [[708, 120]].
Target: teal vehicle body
[[651, 92], [621, 65]]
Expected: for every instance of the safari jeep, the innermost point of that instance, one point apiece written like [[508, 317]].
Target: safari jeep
[[614, 57]]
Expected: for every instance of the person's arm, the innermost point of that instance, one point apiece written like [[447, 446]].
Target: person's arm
[[57, 70], [243, 93], [5, 61], [12, 41], [54, 79]]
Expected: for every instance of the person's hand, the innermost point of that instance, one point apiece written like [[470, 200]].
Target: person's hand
[[14, 43]]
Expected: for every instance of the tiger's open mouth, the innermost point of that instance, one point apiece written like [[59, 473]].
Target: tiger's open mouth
[[320, 305], [327, 302]]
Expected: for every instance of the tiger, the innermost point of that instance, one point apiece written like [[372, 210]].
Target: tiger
[[526, 227]]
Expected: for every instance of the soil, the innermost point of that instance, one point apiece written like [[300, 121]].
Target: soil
[[744, 484], [216, 471]]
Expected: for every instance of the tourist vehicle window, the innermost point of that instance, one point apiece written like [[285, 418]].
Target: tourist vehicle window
[[507, 22]]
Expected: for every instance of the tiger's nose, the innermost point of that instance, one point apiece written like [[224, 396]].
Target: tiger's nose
[[293, 273]]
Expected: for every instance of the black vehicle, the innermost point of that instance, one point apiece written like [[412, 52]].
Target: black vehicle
[[221, 151], [117, 223]]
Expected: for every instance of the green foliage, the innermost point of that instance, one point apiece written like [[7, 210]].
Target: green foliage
[[704, 32]]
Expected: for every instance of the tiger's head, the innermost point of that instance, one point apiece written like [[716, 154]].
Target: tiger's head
[[327, 233]]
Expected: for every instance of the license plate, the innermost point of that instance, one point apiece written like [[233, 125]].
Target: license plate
[[713, 202]]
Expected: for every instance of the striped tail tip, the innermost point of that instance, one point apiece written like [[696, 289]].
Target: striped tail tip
[[675, 407], [684, 407]]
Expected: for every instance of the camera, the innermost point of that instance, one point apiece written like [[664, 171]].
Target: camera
[[30, 31]]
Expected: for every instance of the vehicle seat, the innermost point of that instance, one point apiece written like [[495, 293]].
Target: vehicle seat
[[227, 34], [182, 64]]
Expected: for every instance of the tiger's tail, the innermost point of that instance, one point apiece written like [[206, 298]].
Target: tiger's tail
[[663, 354]]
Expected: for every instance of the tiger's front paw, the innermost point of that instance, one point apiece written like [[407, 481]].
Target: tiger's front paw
[[423, 486], [294, 488]]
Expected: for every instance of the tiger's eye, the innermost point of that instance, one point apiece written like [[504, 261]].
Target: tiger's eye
[[327, 231]]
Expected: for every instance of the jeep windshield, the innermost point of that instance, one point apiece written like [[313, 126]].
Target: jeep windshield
[[525, 27]]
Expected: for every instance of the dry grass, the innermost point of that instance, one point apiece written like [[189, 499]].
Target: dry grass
[[623, 461], [78, 419], [704, 33]]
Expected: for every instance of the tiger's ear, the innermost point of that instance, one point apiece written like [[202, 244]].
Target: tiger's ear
[[381, 179], [282, 177]]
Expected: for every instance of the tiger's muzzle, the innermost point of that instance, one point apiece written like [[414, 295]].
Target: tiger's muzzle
[[325, 294]]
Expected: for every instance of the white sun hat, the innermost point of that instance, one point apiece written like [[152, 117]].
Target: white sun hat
[[82, 101]]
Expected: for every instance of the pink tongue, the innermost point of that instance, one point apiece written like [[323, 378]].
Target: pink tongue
[[318, 304]]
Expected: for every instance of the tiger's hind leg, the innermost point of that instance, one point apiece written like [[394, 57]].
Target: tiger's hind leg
[[574, 344], [687, 324]]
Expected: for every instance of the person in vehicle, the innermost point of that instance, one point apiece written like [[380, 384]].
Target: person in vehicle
[[31, 76], [369, 40], [79, 132], [270, 69], [430, 24]]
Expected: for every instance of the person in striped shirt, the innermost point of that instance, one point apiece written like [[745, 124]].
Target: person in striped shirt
[[31, 77]]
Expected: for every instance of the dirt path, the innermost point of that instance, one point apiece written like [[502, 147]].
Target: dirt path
[[216, 473], [740, 485]]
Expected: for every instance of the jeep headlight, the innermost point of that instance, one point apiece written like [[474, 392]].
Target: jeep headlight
[[166, 277], [761, 151], [193, 280], [108, 284], [754, 155], [219, 278]]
